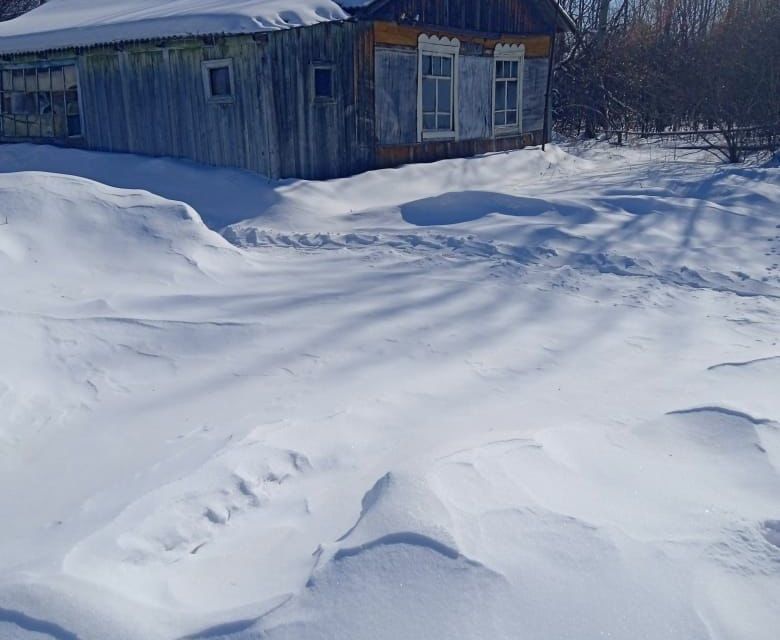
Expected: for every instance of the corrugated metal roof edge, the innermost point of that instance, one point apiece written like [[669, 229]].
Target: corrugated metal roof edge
[[355, 11], [131, 41]]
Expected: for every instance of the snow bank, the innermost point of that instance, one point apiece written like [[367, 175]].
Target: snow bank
[[65, 233], [528, 394], [72, 23]]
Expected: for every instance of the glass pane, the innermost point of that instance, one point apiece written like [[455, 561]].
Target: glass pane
[[72, 97], [74, 125], [219, 77], [323, 82], [514, 69], [426, 65], [57, 80], [429, 121], [5, 104], [446, 67], [500, 69], [35, 128], [59, 119], [44, 80], [21, 103], [428, 95], [44, 102], [70, 76], [500, 118], [20, 127], [511, 94], [511, 117], [47, 126], [30, 80], [445, 94], [436, 70], [18, 80], [500, 96], [6, 79], [443, 122], [8, 126]]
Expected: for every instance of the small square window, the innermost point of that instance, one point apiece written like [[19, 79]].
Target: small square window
[[218, 80], [323, 83]]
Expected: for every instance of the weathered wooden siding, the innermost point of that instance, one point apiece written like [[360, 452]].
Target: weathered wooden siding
[[391, 156], [475, 97], [396, 95], [402, 35], [149, 97], [151, 100], [322, 139], [534, 93], [396, 91], [487, 16], [102, 102]]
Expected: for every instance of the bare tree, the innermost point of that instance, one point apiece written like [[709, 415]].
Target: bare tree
[[10, 9], [665, 65]]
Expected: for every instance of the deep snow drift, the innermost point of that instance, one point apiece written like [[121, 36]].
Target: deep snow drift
[[529, 395]]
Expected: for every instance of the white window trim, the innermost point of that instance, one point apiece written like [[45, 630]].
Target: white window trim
[[433, 45], [216, 64], [510, 52]]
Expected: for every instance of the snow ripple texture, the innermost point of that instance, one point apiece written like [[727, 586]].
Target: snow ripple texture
[[526, 395]]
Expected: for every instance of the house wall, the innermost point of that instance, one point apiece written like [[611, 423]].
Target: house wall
[[487, 16], [150, 99], [320, 139], [534, 93], [395, 76]]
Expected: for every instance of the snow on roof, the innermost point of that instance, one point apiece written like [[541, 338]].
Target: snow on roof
[[60, 24]]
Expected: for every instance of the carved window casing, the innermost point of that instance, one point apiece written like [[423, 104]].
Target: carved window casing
[[508, 89], [437, 88]]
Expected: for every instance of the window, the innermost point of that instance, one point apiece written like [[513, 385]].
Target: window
[[508, 89], [40, 102], [437, 93], [438, 88], [323, 82], [218, 80]]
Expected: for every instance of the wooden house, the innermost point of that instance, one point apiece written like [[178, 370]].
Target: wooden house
[[286, 88]]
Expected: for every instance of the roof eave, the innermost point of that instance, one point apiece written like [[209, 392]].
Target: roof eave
[[563, 21], [563, 18]]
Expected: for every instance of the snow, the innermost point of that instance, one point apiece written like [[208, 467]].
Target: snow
[[61, 24], [530, 394]]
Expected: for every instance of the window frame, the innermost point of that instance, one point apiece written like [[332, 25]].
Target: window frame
[[441, 47], [509, 53], [38, 67], [207, 66], [326, 66]]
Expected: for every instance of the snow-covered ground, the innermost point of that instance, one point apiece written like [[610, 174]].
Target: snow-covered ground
[[532, 395]]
